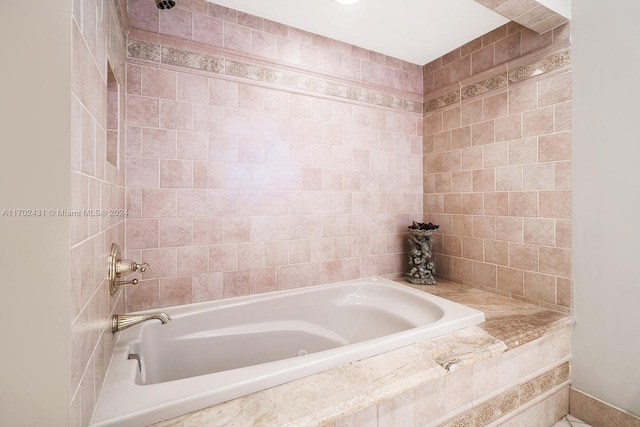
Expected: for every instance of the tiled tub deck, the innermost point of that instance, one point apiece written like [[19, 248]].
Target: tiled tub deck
[[512, 370]]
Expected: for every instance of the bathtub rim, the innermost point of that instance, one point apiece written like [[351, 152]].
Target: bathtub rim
[[146, 412]]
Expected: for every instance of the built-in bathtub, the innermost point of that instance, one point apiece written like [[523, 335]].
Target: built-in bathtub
[[216, 351]]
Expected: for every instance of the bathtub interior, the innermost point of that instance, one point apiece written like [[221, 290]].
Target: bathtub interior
[[253, 333]]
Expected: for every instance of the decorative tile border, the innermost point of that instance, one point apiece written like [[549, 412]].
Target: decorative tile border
[[191, 60], [120, 19], [442, 101], [546, 65], [488, 85], [284, 79], [511, 399], [144, 51]]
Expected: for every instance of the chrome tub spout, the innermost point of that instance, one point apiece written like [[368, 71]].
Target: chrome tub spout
[[123, 321]]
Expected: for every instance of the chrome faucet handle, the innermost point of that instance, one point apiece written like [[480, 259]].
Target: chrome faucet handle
[[142, 267]]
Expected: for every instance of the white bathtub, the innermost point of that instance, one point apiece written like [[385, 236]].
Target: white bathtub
[[216, 351]]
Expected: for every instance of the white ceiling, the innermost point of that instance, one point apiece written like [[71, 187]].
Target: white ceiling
[[417, 31]]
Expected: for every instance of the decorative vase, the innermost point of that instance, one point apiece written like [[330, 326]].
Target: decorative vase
[[421, 264]]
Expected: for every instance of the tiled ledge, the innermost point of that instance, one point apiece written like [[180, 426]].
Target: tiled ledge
[[465, 375], [510, 321], [275, 75]]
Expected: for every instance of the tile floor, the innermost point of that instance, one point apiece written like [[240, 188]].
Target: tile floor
[[571, 421]]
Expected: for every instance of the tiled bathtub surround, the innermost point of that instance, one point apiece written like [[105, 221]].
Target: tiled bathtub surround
[[98, 31], [513, 369], [260, 157], [498, 163]]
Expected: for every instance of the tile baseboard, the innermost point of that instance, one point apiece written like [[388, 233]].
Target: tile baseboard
[[598, 413]]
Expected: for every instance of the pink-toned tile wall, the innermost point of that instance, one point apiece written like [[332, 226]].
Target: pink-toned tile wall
[[96, 185], [236, 187], [498, 169]]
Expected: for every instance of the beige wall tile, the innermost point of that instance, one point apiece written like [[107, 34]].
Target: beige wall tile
[[452, 245], [509, 229], [524, 204], [484, 180], [494, 106], [472, 158], [510, 280], [540, 287], [562, 117], [509, 178], [555, 204], [453, 203], [555, 147], [562, 175], [538, 122], [496, 252], [473, 249], [462, 269], [509, 128], [556, 261], [471, 112], [472, 203], [451, 119], [462, 182], [484, 227], [554, 90], [495, 155], [539, 176], [563, 233], [463, 225], [496, 204], [485, 274], [483, 133], [461, 137], [523, 151], [539, 231], [523, 98], [523, 257]]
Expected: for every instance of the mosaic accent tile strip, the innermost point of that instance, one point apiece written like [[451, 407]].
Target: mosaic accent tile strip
[[191, 60], [512, 399], [120, 20], [284, 79], [488, 85], [546, 65], [442, 101], [144, 51]]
